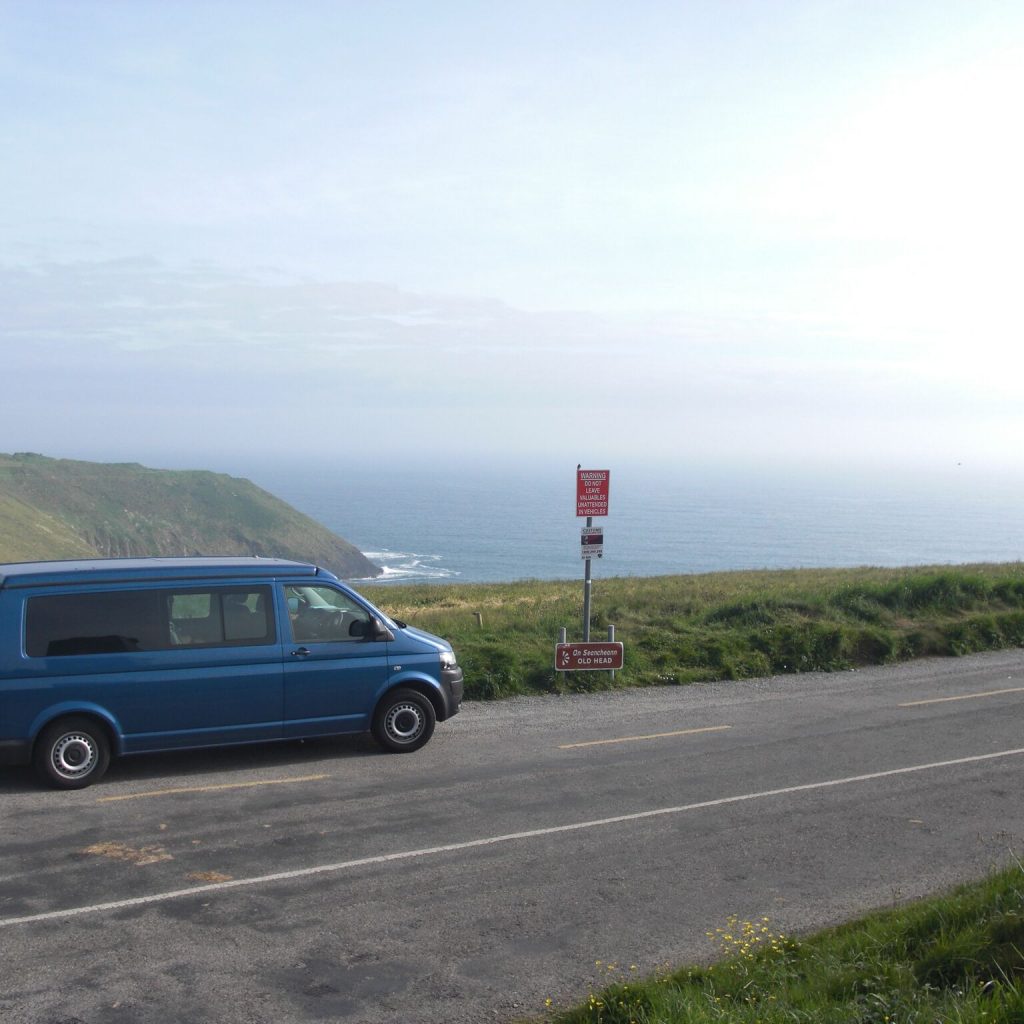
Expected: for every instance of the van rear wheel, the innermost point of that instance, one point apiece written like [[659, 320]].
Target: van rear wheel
[[404, 721], [72, 753]]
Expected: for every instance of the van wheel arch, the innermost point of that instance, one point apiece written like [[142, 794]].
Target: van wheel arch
[[425, 690], [73, 751]]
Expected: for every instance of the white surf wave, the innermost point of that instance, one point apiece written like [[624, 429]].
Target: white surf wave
[[408, 567]]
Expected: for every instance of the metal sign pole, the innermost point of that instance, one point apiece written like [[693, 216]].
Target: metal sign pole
[[591, 500], [586, 592]]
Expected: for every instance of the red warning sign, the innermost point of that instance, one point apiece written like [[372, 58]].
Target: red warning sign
[[592, 492]]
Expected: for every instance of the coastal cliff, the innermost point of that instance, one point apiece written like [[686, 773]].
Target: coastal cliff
[[62, 508]]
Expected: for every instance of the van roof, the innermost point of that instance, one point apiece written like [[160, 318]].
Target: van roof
[[114, 570]]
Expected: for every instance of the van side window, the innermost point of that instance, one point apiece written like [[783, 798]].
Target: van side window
[[106, 622], [118, 621], [326, 615], [199, 618]]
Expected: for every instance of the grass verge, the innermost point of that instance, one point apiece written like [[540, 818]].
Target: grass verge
[[681, 629], [954, 959]]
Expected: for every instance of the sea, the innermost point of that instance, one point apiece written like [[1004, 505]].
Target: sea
[[491, 522]]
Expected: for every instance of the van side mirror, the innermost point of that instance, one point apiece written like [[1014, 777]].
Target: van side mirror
[[379, 632]]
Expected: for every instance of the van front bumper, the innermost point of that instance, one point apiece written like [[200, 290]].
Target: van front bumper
[[451, 684], [15, 752]]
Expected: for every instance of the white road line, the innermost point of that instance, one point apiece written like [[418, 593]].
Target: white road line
[[386, 858]]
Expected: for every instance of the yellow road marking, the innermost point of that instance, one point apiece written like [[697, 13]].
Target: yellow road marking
[[963, 696], [653, 736], [211, 789]]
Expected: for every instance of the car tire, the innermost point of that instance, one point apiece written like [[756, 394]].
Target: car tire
[[72, 753], [404, 721]]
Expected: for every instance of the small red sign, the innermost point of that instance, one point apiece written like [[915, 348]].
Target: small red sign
[[592, 492], [588, 657]]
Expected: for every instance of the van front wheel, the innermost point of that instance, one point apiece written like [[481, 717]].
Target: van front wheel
[[404, 721], [72, 753]]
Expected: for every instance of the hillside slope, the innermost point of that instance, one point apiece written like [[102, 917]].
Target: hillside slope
[[59, 508]]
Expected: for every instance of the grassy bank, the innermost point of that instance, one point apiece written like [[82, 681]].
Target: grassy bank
[[955, 959], [681, 629]]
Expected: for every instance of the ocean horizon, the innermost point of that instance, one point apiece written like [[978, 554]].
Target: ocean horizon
[[480, 524]]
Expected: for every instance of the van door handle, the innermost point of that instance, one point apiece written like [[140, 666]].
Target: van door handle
[[301, 652]]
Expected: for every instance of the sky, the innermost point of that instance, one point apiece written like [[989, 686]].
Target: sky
[[785, 232]]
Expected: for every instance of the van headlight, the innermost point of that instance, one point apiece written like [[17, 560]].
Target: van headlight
[[448, 659]]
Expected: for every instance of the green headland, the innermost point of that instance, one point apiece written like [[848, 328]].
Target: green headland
[[61, 508]]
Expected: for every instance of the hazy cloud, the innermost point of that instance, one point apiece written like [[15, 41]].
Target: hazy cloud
[[198, 358], [789, 231]]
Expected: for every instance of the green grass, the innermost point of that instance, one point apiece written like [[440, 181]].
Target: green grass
[[736, 625], [952, 959]]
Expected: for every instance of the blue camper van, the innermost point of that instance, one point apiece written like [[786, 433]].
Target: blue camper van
[[130, 655]]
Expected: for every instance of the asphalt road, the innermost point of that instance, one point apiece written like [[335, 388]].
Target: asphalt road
[[490, 871]]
